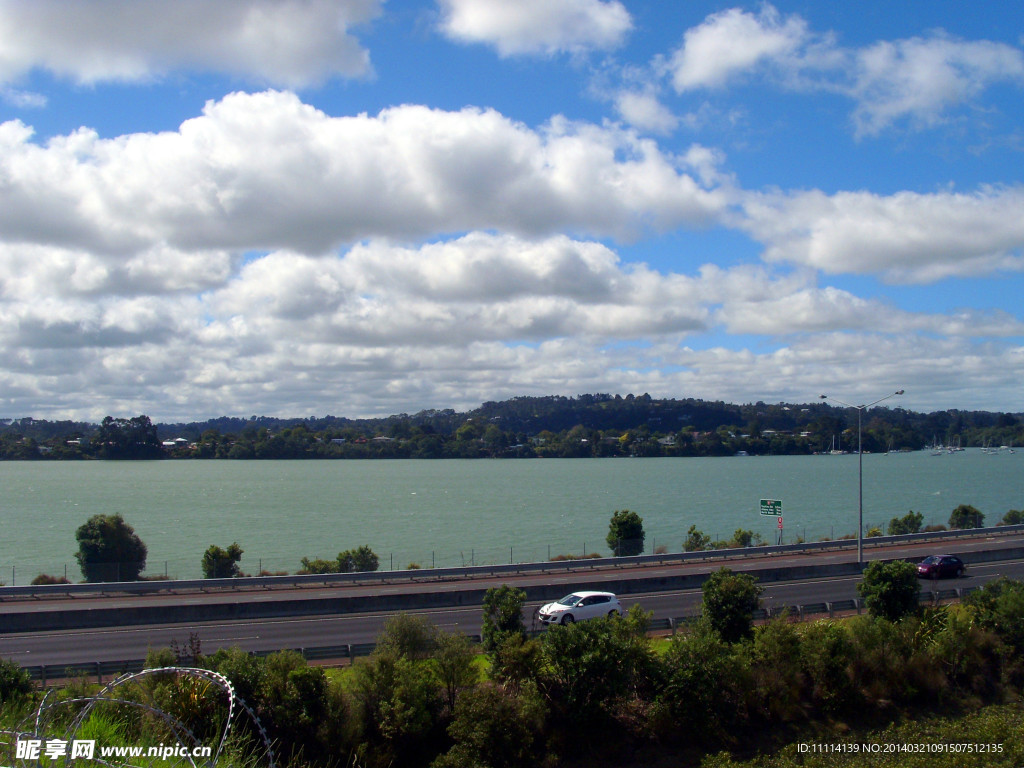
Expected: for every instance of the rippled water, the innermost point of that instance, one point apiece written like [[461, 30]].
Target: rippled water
[[452, 512]]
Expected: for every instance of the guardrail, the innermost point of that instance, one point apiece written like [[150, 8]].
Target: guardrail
[[337, 579], [349, 652]]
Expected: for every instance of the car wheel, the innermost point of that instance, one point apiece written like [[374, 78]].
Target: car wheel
[[612, 612], [568, 619], [959, 572]]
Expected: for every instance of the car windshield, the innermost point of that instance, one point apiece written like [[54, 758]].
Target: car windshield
[[931, 560], [569, 600]]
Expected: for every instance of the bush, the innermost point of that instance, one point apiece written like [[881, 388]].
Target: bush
[[109, 550], [503, 615], [728, 604], [699, 701], [1013, 517], [696, 541], [412, 637], [626, 533], [350, 561], [45, 578], [491, 728], [358, 560], [221, 563], [965, 516], [15, 682], [909, 523], [890, 590]]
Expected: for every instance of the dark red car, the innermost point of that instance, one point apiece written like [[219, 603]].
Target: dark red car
[[939, 566]]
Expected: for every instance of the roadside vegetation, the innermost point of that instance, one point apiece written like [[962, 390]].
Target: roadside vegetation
[[110, 550], [721, 693]]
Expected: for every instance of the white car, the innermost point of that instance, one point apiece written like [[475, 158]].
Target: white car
[[580, 606]]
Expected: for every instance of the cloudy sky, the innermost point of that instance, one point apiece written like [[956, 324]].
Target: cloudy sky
[[365, 207]]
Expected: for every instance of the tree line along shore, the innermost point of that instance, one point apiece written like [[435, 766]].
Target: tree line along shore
[[525, 427]]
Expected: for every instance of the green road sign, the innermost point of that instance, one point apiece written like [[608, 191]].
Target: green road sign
[[771, 507]]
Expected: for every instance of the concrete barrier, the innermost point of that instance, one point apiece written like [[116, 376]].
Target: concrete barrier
[[197, 613]]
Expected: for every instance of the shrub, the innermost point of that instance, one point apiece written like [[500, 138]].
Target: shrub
[[358, 560], [413, 637], [502, 615], [699, 701], [109, 550], [15, 682], [221, 563], [1013, 517], [45, 578], [890, 590], [491, 728], [696, 541], [563, 558], [728, 604], [909, 523], [626, 533], [966, 516]]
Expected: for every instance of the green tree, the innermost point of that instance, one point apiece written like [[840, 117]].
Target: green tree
[[358, 560], [999, 606], [890, 590], [966, 516], [503, 615], [696, 541], [219, 563], [454, 657], [413, 637], [15, 683], [134, 438], [626, 533], [1013, 517], [909, 523], [109, 549], [728, 603], [492, 728]]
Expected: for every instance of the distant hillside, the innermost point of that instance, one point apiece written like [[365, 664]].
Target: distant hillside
[[585, 425]]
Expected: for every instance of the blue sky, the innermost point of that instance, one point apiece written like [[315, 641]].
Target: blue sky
[[364, 207]]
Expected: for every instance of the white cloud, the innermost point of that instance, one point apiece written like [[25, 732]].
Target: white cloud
[[920, 78], [283, 42], [383, 328], [259, 171], [732, 42], [532, 27], [643, 110], [906, 237]]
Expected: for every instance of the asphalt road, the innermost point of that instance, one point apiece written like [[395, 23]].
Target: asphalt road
[[78, 646]]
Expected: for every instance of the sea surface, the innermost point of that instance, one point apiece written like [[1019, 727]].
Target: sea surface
[[452, 512]]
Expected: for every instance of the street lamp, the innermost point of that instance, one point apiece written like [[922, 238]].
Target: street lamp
[[860, 470]]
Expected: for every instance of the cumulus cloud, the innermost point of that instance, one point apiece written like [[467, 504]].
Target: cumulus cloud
[[920, 78], [385, 328], [283, 42], [537, 27], [644, 110], [945, 370], [906, 237], [259, 171], [917, 81], [732, 42]]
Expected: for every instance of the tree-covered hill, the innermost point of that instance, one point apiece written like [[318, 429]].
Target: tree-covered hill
[[523, 427]]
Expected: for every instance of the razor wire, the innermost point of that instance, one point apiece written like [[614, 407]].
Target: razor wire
[[46, 723]]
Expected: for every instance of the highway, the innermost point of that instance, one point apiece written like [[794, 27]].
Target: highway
[[61, 647]]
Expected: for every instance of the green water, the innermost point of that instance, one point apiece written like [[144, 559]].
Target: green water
[[447, 513]]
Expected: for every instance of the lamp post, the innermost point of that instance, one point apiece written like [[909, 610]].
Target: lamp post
[[860, 470]]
